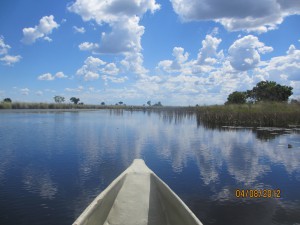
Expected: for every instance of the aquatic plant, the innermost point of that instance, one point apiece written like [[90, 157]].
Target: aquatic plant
[[260, 114]]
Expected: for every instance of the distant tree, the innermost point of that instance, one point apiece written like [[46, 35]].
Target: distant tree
[[120, 103], [7, 100], [102, 103], [157, 104], [74, 100], [149, 103], [59, 99], [80, 103], [236, 98], [269, 91]]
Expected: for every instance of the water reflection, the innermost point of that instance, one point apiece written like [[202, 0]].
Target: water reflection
[[69, 158], [38, 181]]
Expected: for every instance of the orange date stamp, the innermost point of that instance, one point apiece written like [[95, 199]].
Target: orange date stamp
[[257, 193]]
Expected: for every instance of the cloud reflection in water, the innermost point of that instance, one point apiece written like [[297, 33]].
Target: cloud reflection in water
[[69, 158]]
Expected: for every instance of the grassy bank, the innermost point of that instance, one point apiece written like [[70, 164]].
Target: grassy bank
[[266, 114], [270, 114], [34, 105]]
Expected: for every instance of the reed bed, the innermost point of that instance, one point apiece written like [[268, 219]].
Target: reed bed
[[34, 105], [270, 114]]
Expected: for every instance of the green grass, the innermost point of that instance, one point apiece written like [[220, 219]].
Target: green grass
[[34, 105], [272, 114], [5, 105]]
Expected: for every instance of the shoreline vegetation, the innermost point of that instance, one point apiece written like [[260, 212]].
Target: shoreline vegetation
[[265, 105], [262, 114]]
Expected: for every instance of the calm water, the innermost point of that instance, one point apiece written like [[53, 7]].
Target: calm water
[[52, 165]]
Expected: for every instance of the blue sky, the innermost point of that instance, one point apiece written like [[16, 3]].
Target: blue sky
[[179, 52]]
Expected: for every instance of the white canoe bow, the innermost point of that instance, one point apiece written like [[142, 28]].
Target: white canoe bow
[[137, 197]]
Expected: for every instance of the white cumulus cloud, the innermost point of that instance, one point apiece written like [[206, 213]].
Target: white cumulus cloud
[[94, 68], [90, 75], [88, 46], [244, 53], [46, 76], [239, 68], [48, 39], [207, 78], [3, 47], [208, 53], [177, 64], [123, 17], [125, 36], [208, 56], [282, 69], [91, 68], [42, 30], [111, 69], [49, 76], [250, 15], [113, 10], [60, 75], [212, 75], [7, 59], [133, 61]]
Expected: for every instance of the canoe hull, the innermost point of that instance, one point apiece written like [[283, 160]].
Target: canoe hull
[[137, 197]]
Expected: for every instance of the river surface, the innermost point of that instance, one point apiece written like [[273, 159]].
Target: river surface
[[53, 164]]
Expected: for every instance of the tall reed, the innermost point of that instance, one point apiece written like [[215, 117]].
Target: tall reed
[[256, 115]]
